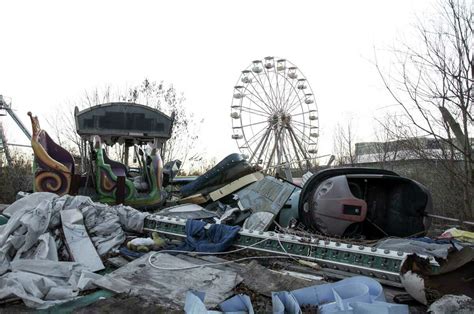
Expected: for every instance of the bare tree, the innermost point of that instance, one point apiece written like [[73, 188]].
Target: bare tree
[[167, 99], [433, 85], [157, 95], [344, 144]]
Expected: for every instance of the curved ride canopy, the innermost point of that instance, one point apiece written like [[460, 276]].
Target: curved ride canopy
[[122, 122]]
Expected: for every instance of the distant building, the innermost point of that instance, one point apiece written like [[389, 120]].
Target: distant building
[[416, 148]]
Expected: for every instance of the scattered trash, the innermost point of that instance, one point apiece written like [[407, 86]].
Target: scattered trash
[[218, 238], [266, 198], [77, 240], [237, 304], [453, 276], [419, 247], [461, 235], [51, 246], [42, 283], [188, 211], [352, 295], [229, 169], [147, 244], [42, 267]]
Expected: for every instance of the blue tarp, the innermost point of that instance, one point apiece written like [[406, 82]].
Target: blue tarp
[[218, 238]]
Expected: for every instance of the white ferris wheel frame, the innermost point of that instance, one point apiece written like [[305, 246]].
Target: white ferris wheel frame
[[275, 118]]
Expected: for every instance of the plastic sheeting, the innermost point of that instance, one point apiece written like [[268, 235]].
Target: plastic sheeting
[[77, 240], [41, 283], [30, 240], [415, 246], [461, 235], [237, 304], [356, 295]]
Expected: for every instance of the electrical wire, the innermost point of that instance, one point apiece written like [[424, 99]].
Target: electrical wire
[[151, 263]]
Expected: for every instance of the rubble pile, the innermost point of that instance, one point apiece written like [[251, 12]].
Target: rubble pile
[[248, 243]]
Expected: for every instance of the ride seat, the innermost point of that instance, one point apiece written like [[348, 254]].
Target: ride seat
[[119, 169], [54, 164], [55, 151]]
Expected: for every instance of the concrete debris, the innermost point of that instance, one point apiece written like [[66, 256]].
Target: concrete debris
[[449, 303]]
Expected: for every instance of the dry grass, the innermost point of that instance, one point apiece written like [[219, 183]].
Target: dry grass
[[14, 178]]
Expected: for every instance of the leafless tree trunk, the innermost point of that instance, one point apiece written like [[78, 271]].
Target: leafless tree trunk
[[434, 87], [344, 144]]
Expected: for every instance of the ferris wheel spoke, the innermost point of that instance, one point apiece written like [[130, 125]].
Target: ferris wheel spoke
[[254, 111], [284, 89], [267, 110], [277, 91], [294, 106], [295, 101], [292, 88], [259, 98], [298, 128], [300, 123], [306, 139], [299, 114], [262, 86], [252, 124], [272, 92], [254, 137]]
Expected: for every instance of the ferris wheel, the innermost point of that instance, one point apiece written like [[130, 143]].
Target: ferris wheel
[[274, 115]]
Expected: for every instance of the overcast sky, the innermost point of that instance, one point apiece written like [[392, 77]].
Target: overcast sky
[[53, 51]]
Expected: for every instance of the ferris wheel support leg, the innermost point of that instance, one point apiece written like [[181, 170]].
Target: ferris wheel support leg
[[296, 150], [277, 139], [265, 135], [308, 164]]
